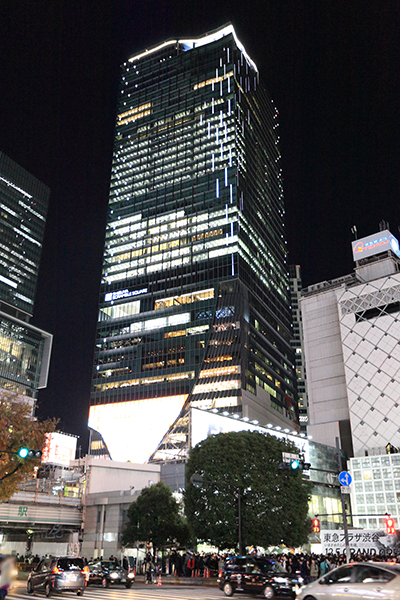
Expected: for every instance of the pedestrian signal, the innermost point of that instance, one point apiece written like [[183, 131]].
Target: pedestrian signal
[[389, 524], [316, 528]]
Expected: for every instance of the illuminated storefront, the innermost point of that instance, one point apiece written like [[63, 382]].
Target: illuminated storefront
[[194, 296]]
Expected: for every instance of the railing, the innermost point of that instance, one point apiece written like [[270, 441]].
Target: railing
[[59, 489]]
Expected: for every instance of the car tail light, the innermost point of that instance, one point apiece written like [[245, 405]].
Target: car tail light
[[56, 570], [220, 574]]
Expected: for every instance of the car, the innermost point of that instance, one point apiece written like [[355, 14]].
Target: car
[[58, 574], [253, 575], [107, 572], [370, 580]]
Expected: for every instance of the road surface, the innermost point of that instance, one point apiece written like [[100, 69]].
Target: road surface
[[138, 591]]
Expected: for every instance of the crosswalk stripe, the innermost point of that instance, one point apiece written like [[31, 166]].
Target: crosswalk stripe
[[138, 592]]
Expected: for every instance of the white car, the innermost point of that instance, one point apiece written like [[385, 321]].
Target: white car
[[356, 581]]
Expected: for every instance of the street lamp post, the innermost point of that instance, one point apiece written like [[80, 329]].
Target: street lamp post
[[197, 481]]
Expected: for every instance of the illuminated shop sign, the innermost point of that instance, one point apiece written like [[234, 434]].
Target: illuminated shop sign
[[111, 296], [375, 244]]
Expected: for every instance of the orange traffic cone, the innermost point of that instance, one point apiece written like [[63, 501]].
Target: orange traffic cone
[[159, 584]]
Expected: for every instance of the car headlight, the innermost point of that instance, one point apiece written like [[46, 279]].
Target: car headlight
[[114, 575], [131, 575], [280, 579], [14, 573], [300, 580]]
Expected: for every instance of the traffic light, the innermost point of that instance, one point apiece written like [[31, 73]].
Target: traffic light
[[389, 524], [28, 453], [295, 465], [315, 524]]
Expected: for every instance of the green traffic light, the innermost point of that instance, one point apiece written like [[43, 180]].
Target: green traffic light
[[295, 464], [23, 452]]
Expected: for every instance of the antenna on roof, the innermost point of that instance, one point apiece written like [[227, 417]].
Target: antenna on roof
[[354, 231], [383, 225]]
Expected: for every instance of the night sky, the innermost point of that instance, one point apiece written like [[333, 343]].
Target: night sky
[[331, 67]]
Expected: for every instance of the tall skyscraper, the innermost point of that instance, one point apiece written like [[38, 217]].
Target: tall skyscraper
[[24, 349], [194, 302]]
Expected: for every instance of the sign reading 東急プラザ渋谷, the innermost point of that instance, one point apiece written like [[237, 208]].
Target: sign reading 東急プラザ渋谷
[[371, 541], [374, 244]]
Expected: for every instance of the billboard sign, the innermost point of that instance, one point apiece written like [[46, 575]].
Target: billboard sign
[[133, 429], [59, 449], [205, 423], [370, 541], [375, 244]]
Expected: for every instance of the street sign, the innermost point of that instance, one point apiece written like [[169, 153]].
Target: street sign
[[330, 478], [345, 478], [345, 489], [196, 480], [288, 457]]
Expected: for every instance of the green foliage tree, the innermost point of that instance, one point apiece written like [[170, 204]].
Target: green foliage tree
[[155, 517], [274, 503], [18, 429]]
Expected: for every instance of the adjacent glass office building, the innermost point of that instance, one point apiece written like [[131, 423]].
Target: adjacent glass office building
[[194, 302], [24, 349]]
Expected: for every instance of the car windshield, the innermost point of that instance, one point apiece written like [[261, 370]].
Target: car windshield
[[70, 564], [394, 567], [110, 566], [270, 565]]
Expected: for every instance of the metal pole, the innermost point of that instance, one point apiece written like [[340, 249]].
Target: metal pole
[[240, 522], [344, 514]]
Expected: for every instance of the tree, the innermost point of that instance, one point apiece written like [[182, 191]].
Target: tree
[[155, 517], [18, 429], [274, 503]]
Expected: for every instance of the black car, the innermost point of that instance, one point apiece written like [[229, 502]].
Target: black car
[[58, 574], [106, 572], [257, 576]]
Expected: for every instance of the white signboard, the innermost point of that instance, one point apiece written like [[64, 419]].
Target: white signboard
[[371, 541], [59, 449], [374, 244], [204, 423]]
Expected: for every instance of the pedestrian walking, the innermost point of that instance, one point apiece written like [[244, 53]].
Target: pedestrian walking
[[314, 571], [7, 565], [149, 569]]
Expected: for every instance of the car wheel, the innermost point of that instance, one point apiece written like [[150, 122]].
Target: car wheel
[[79, 593], [47, 590], [30, 588], [228, 589], [268, 592], [105, 583], [128, 584]]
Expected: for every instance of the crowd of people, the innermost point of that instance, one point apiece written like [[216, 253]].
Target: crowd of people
[[196, 564], [310, 566]]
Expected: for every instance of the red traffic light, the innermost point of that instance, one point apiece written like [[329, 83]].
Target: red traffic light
[[389, 523], [316, 528]]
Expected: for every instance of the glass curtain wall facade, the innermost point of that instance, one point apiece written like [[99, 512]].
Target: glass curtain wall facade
[[194, 302], [23, 210], [24, 349]]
